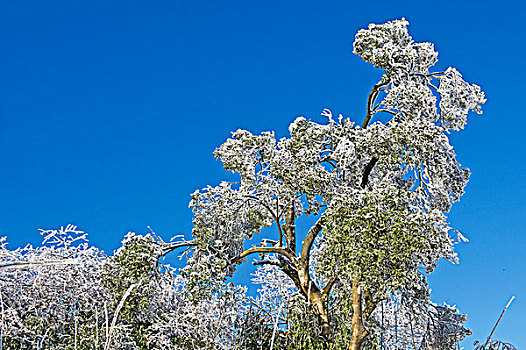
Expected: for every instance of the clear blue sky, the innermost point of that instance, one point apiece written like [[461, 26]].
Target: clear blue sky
[[110, 111]]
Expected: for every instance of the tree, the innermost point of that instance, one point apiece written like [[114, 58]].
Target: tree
[[51, 296], [135, 264], [379, 191], [66, 294]]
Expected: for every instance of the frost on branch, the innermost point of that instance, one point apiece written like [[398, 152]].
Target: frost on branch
[[408, 82], [51, 292], [458, 97], [408, 320], [66, 294], [186, 324], [378, 192]]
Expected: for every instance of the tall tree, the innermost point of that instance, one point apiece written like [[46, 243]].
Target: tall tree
[[379, 190]]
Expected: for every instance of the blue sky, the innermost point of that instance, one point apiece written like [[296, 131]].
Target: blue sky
[[110, 112]]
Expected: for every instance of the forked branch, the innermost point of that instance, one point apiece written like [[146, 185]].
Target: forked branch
[[370, 101]]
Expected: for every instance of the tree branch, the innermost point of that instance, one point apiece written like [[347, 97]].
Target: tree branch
[[329, 160], [385, 111], [266, 262], [45, 262], [264, 205], [274, 215], [264, 250], [329, 284], [308, 242], [292, 272], [370, 102], [278, 224], [174, 246], [367, 171], [290, 228]]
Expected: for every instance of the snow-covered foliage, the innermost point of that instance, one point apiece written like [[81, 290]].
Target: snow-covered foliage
[[66, 294], [408, 81], [210, 323], [409, 320], [494, 345], [51, 294], [380, 191]]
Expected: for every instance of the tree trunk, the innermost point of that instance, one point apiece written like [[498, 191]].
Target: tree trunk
[[311, 290], [320, 304], [318, 299], [359, 333]]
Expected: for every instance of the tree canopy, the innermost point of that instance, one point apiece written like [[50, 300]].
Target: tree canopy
[[380, 190]]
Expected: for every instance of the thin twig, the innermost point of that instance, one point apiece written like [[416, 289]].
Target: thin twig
[[29, 263], [116, 315], [496, 324], [107, 320], [275, 326]]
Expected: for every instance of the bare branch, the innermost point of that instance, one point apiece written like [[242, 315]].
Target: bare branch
[[329, 284], [309, 241], [290, 228], [370, 102], [367, 171], [265, 250]]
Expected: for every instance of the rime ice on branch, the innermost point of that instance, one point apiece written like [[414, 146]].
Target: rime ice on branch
[[380, 191]]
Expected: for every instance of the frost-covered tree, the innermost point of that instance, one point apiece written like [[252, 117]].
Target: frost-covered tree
[[379, 191], [51, 296], [66, 294], [407, 319], [135, 265], [212, 323]]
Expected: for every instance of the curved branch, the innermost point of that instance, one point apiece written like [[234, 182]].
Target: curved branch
[[174, 246], [436, 73], [329, 160], [385, 111], [370, 102], [309, 241], [329, 284], [264, 250]]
